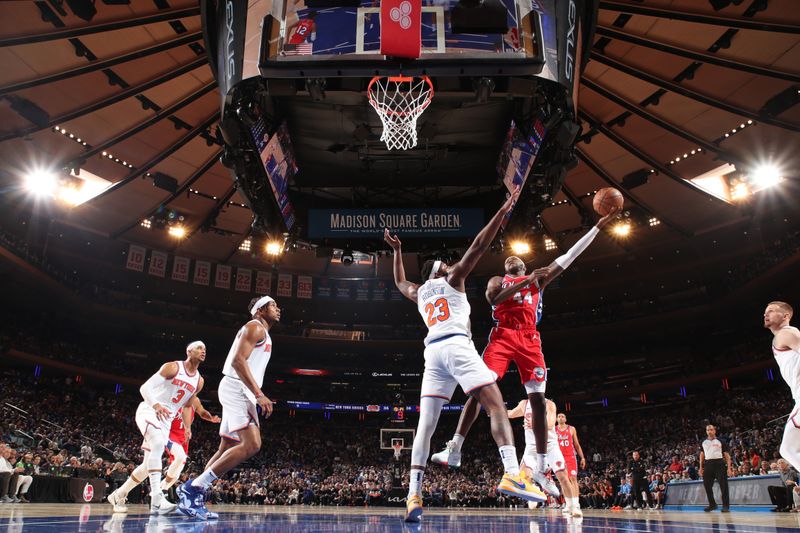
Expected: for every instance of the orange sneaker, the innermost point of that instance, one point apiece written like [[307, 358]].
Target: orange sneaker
[[413, 508], [520, 486]]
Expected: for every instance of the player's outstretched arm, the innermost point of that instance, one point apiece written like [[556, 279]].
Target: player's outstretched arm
[[253, 334], [518, 411], [408, 289], [542, 276], [148, 388], [496, 294], [481, 243]]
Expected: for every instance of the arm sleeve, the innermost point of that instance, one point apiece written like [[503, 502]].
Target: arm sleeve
[[577, 249], [148, 389]]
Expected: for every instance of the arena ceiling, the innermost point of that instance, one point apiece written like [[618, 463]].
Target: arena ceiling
[[127, 94]]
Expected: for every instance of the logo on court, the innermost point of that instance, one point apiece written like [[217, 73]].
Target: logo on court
[[401, 14], [88, 492]]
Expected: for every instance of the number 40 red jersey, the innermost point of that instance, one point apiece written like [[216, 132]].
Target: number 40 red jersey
[[523, 309]]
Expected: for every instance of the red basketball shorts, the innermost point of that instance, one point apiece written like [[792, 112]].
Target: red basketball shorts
[[523, 346], [571, 463]]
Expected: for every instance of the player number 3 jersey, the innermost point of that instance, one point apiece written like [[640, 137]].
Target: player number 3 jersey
[[444, 309], [174, 393]]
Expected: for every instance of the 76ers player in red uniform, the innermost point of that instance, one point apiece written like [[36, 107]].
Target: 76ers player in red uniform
[[516, 300], [568, 442], [179, 435]]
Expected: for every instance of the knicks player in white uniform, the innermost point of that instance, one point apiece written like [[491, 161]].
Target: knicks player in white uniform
[[555, 459], [451, 360], [786, 348], [241, 398], [164, 394]]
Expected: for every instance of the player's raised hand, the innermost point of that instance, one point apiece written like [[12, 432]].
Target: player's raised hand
[[511, 199], [162, 413], [609, 217], [391, 240]]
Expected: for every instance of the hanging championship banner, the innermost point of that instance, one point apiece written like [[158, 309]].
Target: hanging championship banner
[[223, 278], [344, 290], [158, 264], [202, 273], [263, 282], [323, 288], [180, 268], [285, 285], [135, 258], [304, 287], [244, 279], [379, 291], [362, 290]]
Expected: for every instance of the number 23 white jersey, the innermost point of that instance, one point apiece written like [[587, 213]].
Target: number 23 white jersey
[[444, 309]]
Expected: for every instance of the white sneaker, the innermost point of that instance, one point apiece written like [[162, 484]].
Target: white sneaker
[[160, 505], [118, 502], [566, 510], [576, 512], [533, 505], [450, 456], [547, 484]]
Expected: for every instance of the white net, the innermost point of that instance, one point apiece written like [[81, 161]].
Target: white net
[[399, 101]]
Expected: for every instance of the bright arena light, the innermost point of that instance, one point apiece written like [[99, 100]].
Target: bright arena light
[[177, 231], [623, 229], [274, 248], [41, 183], [740, 191], [549, 244], [765, 176], [520, 248]]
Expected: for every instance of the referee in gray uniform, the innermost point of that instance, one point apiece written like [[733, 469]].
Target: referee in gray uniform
[[715, 463]]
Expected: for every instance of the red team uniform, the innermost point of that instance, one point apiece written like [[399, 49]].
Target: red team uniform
[[567, 449], [514, 336], [302, 31], [177, 434]]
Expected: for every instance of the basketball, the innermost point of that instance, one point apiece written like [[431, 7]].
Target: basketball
[[607, 199]]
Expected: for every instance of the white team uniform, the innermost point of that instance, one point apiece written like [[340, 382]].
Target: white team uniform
[[789, 364], [172, 394], [555, 459], [238, 402], [450, 357]]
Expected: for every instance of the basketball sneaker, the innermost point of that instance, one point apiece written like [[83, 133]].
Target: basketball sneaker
[[566, 510], [188, 496], [520, 486], [450, 456], [547, 484], [118, 502], [160, 505], [413, 508], [576, 512]]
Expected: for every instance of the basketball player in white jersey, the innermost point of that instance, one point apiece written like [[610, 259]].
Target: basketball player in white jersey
[[451, 360], [555, 459], [241, 398], [786, 348], [166, 392]]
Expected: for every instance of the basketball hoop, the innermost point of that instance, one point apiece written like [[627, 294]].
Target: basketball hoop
[[398, 449], [399, 101]]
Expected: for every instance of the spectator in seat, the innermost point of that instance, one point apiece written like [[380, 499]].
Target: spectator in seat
[[676, 466], [781, 495], [25, 470], [8, 475]]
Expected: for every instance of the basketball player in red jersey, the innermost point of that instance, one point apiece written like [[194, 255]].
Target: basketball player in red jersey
[[304, 30], [568, 441], [179, 435], [517, 310]]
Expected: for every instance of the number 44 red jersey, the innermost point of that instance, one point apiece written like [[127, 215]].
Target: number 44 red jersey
[[523, 309]]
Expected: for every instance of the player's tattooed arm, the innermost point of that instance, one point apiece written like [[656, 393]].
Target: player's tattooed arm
[[481, 243], [406, 288]]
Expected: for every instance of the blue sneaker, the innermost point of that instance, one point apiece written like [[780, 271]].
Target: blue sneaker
[[204, 514], [188, 498]]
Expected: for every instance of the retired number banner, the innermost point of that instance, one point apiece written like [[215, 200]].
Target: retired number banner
[[285, 285], [304, 285], [244, 279], [263, 282], [223, 278], [180, 268], [158, 264], [135, 258], [202, 273]]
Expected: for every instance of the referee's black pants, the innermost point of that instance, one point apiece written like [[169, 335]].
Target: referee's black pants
[[716, 469], [639, 486]]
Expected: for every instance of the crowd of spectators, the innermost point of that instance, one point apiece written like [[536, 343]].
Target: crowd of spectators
[[56, 426]]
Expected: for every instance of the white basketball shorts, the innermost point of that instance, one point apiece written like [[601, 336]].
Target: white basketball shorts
[[151, 427], [555, 459], [450, 362], [238, 410]]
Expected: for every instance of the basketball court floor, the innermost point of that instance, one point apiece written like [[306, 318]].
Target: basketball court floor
[[68, 518]]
